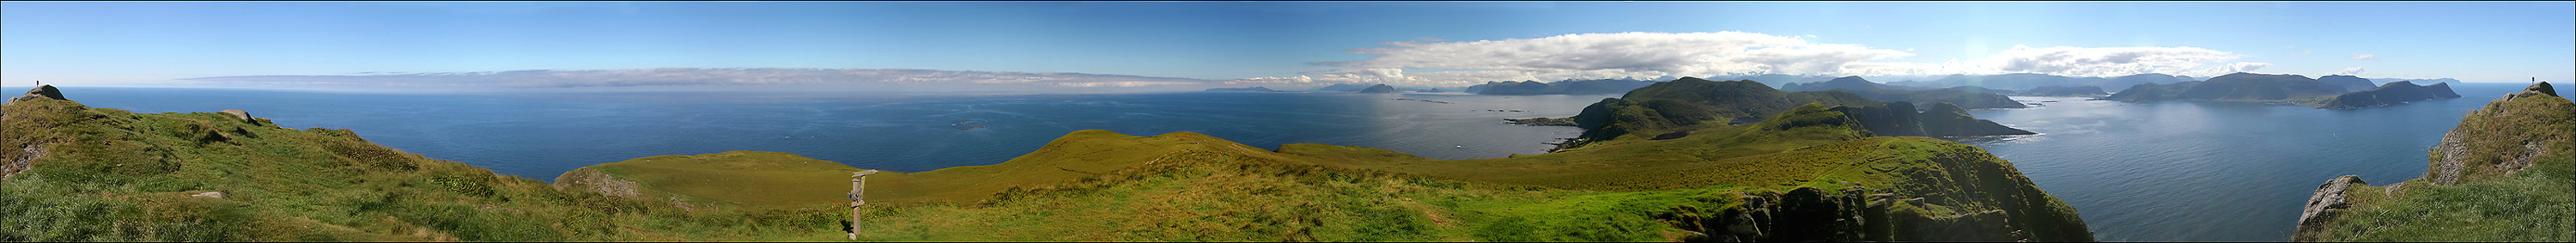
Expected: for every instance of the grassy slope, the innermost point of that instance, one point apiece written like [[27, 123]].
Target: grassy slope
[[112, 175], [315, 185], [1099, 185], [741, 177], [2535, 204]]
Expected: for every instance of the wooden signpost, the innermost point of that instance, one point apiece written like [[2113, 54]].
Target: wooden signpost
[[858, 185]]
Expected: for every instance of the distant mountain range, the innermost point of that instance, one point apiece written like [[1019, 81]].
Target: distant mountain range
[[1252, 89], [1971, 97], [1567, 87], [2331, 92], [2026, 81], [1343, 87], [1378, 89], [2236, 86], [2088, 91]]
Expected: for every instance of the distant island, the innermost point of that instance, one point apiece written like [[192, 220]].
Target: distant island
[[1692, 102], [2391, 94], [2077, 91], [1379, 89], [1342, 88], [2285, 89], [1252, 89], [1567, 87], [2027, 81]]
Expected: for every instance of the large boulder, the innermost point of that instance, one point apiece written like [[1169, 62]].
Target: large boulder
[[2537, 89], [239, 114], [2324, 206], [40, 92]]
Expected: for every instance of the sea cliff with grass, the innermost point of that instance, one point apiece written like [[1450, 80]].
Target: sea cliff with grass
[[2506, 174]]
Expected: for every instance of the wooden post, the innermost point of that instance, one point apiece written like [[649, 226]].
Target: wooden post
[[858, 187]]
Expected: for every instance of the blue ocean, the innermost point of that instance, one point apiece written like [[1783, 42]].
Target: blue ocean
[[2172, 171]]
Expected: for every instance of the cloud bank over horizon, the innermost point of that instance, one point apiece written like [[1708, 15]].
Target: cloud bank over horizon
[[1656, 55], [1417, 63]]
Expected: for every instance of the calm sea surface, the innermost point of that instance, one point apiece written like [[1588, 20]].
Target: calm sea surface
[[2173, 171], [2217, 171]]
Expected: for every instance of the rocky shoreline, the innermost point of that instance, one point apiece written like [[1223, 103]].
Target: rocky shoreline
[[1542, 121]]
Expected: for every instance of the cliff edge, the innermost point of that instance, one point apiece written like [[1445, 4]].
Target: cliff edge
[[2506, 173]]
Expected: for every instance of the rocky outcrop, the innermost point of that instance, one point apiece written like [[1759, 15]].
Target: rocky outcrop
[[40, 92], [2327, 203], [592, 181], [2512, 134], [2495, 140], [2536, 89], [242, 115], [24, 160]]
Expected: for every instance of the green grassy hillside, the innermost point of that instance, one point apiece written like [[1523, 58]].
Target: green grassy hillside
[[1805, 174], [94, 174], [735, 177], [1099, 185], [2507, 173]]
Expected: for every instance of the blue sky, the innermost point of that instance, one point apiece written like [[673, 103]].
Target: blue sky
[[1248, 43]]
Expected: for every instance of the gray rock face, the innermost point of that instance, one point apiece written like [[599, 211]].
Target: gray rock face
[[2537, 89], [2324, 206], [40, 92], [23, 162], [213, 194], [238, 114], [593, 181], [2453, 155]]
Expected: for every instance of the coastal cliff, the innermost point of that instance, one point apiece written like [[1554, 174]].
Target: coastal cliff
[[2506, 173]]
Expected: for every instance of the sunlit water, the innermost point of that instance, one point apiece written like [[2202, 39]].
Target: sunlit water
[[2216, 171], [2172, 171]]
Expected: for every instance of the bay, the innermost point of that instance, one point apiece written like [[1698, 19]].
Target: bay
[[2216, 170]]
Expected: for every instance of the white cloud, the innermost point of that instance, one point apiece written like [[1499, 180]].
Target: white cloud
[[713, 76], [2117, 61], [1643, 55], [1296, 80], [2365, 57], [2306, 52], [2351, 71]]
